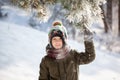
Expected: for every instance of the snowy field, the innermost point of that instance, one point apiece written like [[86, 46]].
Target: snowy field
[[22, 48]]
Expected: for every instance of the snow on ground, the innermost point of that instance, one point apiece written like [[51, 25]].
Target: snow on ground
[[22, 48]]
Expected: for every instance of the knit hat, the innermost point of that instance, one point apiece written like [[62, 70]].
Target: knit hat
[[58, 29]]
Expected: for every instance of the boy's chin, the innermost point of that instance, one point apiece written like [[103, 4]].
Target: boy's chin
[[58, 47]]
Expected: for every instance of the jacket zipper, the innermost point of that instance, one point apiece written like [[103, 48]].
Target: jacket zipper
[[65, 70], [59, 70]]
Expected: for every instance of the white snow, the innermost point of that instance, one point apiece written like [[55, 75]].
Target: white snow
[[22, 48]]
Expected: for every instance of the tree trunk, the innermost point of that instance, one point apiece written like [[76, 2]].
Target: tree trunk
[[104, 19], [109, 13], [119, 18]]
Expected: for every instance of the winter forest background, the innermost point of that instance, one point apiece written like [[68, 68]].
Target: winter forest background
[[23, 35]]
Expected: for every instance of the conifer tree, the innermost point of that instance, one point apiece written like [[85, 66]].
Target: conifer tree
[[79, 12]]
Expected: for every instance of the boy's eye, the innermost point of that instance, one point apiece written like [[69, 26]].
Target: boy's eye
[[58, 39]]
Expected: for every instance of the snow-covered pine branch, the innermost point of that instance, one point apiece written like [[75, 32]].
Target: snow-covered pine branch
[[84, 12], [79, 12]]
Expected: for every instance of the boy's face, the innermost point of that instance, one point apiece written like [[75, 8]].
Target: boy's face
[[57, 42]]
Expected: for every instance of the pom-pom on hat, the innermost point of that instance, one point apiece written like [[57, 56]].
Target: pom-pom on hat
[[58, 29]]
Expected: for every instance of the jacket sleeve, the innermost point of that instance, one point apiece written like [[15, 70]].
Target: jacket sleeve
[[85, 57], [43, 73]]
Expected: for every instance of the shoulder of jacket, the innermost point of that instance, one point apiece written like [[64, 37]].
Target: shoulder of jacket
[[73, 51], [45, 57]]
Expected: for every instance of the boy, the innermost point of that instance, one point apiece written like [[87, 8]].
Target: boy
[[61, 62]]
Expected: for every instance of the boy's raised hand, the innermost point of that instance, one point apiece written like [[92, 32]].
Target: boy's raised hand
[[88, 34]]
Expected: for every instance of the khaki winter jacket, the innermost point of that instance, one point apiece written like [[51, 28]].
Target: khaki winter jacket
[[67, 68]]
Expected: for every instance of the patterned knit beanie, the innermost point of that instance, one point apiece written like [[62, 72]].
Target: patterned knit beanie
[[58, 29]]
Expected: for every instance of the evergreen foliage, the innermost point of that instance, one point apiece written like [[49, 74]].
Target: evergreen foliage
[[79, 12]]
